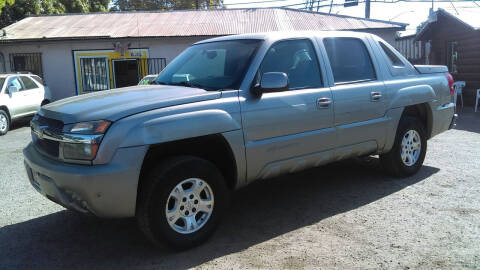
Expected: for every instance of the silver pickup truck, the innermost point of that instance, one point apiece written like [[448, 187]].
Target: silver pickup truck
[[229, 111]]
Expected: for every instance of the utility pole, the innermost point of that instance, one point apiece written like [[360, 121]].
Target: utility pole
[[367, 9], [196, 4]]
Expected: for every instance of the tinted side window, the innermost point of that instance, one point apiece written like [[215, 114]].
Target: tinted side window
[[349, 59], [29, 84], [15, 81], [296, 58], [394, 60]]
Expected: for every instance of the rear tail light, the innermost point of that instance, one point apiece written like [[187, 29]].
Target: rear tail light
[[450, 83]]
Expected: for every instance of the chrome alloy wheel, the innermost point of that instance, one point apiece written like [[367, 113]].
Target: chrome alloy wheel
[[411, 147], [3, 123], [189, 205]]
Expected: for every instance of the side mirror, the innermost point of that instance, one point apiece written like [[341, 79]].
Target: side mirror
[[272, 82], [12, 89]]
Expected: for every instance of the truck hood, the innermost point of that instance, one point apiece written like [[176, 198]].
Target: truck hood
[[118, 103]]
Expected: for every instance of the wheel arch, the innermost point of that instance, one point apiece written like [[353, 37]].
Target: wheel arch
[[5, 108], [423, 112], [45, 101], [214, 148]]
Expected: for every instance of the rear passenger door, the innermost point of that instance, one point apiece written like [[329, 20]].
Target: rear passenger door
[[33, 95], [358, 94]]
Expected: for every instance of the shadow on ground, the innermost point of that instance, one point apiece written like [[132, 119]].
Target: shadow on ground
[[260, 212]]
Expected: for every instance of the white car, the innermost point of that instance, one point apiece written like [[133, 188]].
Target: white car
[[20, 95], [147, 79]]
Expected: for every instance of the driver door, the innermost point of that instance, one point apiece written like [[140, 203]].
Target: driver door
[[289, 130]]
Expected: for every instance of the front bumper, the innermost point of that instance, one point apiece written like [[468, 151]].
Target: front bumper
[[108, 190]]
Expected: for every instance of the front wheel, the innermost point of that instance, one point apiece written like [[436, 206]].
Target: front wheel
[[4, 123], [408, 152], [181, 202]]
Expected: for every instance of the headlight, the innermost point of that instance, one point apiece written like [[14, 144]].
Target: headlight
[[79, 151], [88, 128], [82, 140]]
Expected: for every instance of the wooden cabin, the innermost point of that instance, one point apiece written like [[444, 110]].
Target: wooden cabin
[[454, 41]]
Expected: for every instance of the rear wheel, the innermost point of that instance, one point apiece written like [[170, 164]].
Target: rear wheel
[[4, 122], [45, 102], [181, 202], [408, 152]]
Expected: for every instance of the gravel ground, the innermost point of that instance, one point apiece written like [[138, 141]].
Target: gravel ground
[[345, 215]]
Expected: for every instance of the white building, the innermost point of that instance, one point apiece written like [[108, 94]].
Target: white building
[[80, 53]]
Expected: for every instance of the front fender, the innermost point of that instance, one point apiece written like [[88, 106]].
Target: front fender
[[181, 126], [159, 127], [412, 95]]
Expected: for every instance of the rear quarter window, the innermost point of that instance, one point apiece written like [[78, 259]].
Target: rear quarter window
[[38, 79], [28, 83], [394, 60], [349, 60]]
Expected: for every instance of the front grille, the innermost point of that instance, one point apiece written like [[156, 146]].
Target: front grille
[[45, 146], [48, 147], [52, 124]]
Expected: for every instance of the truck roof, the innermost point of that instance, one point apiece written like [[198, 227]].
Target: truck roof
[[288, 34]]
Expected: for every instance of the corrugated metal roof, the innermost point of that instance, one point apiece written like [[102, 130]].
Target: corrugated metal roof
[[183, 23]]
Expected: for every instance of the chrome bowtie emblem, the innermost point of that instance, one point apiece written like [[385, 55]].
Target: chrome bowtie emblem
[[37, 129]]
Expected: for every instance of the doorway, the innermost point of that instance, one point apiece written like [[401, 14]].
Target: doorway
[[125, 72]]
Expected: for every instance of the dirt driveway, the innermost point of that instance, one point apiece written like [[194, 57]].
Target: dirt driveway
[[345, 215]]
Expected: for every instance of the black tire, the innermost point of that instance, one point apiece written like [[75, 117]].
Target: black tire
[[155, 191], [392, 161], [5, 114], [44, 102]]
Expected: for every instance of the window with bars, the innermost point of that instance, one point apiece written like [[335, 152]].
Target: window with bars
[[26, 62], [94, 74]]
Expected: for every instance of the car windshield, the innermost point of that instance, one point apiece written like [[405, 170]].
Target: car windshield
[[211, 66]]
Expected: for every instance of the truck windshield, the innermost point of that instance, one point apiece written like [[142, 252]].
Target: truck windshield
[[211, 66]]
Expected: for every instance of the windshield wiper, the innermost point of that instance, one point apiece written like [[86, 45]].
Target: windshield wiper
[[157, 82], [186, 84]]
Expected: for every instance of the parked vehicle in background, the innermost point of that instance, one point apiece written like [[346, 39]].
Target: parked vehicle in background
[[229, 111], [20, 95], [147, 79]]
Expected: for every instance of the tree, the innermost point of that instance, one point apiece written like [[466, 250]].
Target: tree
[[20, 9], [135, 5], [5, 2]]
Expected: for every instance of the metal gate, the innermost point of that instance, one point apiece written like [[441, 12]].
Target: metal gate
[[151, 65]]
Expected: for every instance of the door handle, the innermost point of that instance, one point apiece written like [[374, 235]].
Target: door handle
[[323, 103], [376, 96]]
